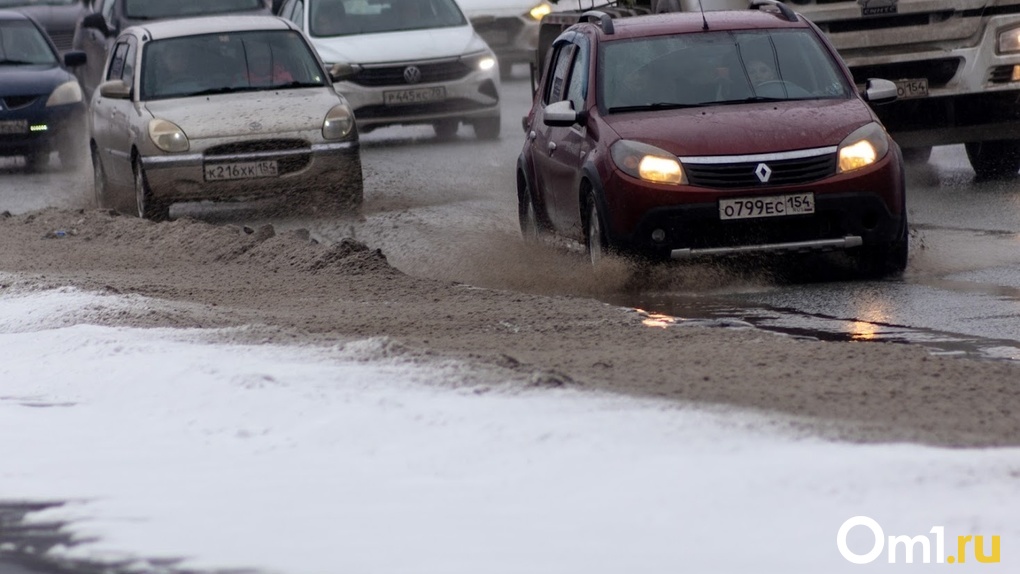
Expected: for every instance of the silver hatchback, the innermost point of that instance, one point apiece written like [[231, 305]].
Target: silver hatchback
[[220, 108]]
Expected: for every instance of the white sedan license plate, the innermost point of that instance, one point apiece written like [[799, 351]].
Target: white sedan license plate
[[246, 170], [770, 206], [13, 127], [414, 96], [913, 88]]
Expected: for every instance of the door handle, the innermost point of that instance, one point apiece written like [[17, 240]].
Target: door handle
[[552, 147]]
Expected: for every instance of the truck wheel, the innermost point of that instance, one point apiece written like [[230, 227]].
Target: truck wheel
[[917, 154], [994, 160]]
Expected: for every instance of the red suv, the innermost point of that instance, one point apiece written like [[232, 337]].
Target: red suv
[[682, 135]]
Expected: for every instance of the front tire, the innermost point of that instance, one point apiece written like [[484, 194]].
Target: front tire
[[885, 259], [98, 181], [147, 206], [595, 242], [995, 159], [487, 128], [526, 214], [446, 130]]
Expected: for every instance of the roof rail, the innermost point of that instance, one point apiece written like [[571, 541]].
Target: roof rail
[[605, 20], [783, 9]]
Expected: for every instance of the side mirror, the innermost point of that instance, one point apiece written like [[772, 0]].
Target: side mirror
[[878, 91], [562, 114], [96, 21], [341, 72], [75, 58], [115, 90]]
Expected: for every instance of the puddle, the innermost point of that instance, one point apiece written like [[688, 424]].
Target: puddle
[[673, 310]]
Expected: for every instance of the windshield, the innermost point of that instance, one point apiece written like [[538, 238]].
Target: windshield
[[12, 3], [349, 17], [160, 9], [717, 68], [224, 63], [21, 44]]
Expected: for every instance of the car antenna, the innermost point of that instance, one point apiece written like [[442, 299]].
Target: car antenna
[[703, 19]]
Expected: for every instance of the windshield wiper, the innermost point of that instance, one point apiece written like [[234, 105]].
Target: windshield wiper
[[657, 106], [225, 90], [17, 63], [296, 84]]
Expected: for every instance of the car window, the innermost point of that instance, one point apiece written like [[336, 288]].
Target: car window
[[159, 9], [297, 13], [128, 73], [117, 62], [223, 63], [350, 17], [557, 84], [718, 68], [108, 8], [577, 88], [13, 3], [22, 44]]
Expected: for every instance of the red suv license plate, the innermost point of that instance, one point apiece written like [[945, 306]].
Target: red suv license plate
[[768, 206]]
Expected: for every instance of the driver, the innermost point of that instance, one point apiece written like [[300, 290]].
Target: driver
[[759, 72]]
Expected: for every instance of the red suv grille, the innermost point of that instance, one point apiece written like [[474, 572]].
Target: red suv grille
[[742, 174]]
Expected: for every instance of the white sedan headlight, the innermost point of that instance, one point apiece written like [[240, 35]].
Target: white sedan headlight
[[865, 146], [66, 93], [168, 136], [483, 61], [540, 11], [338, 123], [647, 162]]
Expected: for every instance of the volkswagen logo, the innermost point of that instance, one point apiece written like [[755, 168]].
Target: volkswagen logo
[[763, 172], [412, 74]]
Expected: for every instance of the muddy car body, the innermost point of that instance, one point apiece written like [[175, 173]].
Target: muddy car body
[[193, 110], [650, 136]]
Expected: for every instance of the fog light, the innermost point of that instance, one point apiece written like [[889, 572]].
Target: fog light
[[1016, 73], [658, 235], [38, 128]]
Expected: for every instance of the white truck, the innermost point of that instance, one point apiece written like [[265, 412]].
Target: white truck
[[956, 64]]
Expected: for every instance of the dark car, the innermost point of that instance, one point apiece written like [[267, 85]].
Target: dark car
[[41, 105], [96, 32], [680, 135], [57, 17]]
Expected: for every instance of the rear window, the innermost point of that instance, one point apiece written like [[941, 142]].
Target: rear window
[[228, 62], [717, 68], [21, 44], [349, 17], [161, 9]]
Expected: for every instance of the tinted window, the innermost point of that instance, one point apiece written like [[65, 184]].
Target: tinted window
[[349, 17], [718, 67], [556, 89], [21, 44], [117, 62], [12, 3], [220, 63], [152, 9]]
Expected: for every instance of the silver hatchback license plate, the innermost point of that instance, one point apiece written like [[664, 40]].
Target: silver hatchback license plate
[[414, 96], [245, 170], [769, 206], [14, 127]]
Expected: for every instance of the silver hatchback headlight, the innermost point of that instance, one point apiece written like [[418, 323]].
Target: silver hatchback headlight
[[338, 123], [168, 136]]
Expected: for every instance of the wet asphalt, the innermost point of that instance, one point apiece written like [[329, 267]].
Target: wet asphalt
[[959, 296]]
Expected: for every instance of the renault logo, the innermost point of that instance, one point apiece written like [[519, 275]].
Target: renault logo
[[412, 75], [763, 172]]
